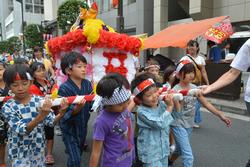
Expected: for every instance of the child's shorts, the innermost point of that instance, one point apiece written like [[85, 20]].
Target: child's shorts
[[161, 163], [3, 131]]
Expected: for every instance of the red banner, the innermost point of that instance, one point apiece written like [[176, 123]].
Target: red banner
[[220, 31]]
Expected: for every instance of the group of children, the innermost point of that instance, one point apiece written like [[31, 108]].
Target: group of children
[[113, 131]]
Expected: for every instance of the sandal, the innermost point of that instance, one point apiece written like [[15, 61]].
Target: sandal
[[49, 160]]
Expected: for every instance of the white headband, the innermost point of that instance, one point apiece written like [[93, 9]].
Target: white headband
[[143, 85], [151, 66], [181, 64], [118, 97]]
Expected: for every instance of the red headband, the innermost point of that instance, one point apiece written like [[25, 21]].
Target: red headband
[[143, 85], [181, 64]]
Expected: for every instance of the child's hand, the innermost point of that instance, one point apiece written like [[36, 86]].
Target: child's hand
[[80, 105], [46, 107], [225, 119], [168, 99], [63, 106]]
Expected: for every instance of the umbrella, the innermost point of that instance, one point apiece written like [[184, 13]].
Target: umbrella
[[216, 29]]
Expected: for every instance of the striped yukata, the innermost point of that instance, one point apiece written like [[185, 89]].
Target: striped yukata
[[26, 148], [74, 128]]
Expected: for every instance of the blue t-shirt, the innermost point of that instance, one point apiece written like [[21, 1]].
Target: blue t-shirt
[[215, 54]]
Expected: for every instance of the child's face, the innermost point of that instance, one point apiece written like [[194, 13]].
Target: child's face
[[2, 69], [171, 78], [150, 97], [154, 71], [20, 88], [118, 107], [78, 70], [40, 74], [188, 77]]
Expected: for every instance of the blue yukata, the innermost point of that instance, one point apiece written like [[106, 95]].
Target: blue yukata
[[26, 147], [74, 128], [153, 137]]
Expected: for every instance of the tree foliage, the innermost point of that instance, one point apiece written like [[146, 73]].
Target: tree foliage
[[67, 14], [11, 45], [33, 34]]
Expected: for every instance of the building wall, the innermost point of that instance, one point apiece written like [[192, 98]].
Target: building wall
[[238, 10], [50, 9], [13, 21]]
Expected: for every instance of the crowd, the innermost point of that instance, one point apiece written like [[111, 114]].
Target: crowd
[[159, 134]]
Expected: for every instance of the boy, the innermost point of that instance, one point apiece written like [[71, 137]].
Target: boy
[[113, 131], [26, 119], [74, 123]]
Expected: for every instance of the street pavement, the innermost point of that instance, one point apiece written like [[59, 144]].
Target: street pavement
[[214, 145]]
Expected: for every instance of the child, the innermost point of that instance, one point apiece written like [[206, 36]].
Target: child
[[184, 120], [154, 68], [74, 123], [153, 120], [113, 128], [4, 91], [26, 119], [169, 81], [42, 87]]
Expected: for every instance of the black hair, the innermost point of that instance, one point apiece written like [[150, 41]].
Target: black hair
[[194, 43], [9, 75], [167, 72], [109, 83], [71, 58], [139, 79], [34, 66], [20, 60], [211, 43], [187, 68], [36, 49]]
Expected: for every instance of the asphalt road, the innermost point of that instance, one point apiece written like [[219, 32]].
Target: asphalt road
[[214, 145]]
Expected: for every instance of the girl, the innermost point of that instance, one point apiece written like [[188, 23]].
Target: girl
[[184, 120], [26, 119], [42, 87], [153, 120], [4, 91], [201, 73], [113, 128], [169, 79]]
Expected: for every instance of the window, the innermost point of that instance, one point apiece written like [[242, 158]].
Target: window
[[28, 1], [132, 1], [29, 8], [39, 2], [38, 9]]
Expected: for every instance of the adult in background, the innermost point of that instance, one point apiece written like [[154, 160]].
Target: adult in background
[[214, 52], [201, 73], [240, 63]]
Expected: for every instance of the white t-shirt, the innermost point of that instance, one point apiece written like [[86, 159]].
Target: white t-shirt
[[242, 63], [199, 60]]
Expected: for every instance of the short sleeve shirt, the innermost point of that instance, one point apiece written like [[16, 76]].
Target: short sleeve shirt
[[115, 130], [242, 63], [198, 60]]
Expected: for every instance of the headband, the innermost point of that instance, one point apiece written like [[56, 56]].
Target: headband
[[151, 66], [181, 65], [18, 77], [142, 86], [118, 97]]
